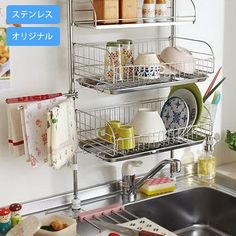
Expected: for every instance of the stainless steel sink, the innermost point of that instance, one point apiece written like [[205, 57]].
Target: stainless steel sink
[[199, 211]]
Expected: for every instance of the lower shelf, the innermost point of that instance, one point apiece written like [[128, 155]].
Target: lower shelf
[[105, 151], [92, 123]]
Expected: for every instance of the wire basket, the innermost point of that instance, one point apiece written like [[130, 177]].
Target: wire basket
[[106, 146], [90, 66]]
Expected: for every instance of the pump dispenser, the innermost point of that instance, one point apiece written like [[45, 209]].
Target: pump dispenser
[[207, 162]]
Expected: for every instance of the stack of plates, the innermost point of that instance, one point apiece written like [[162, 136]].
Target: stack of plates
[[183, 108]]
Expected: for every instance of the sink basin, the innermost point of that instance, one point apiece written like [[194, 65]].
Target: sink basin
[[199, 211]]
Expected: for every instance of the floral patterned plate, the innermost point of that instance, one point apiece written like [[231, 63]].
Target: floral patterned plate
[[191, 101], [175, 115]]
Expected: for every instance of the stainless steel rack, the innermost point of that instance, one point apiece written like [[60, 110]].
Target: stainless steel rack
[[90, 66], [85, 69], [91, 122], [85, 16]]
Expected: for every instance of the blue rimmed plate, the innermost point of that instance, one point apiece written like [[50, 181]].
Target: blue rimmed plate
[[175, 115], [191, 101]]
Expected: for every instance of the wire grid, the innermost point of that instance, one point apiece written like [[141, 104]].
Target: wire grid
[[90, 67], [84, 15], [90, 124]]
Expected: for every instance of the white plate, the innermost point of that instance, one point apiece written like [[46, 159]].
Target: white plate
[[191, 101], [175, 115]]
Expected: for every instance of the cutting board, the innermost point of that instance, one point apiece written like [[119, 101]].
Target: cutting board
[[142, 224]]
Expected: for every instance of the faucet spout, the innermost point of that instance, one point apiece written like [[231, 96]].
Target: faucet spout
[[175, 167]]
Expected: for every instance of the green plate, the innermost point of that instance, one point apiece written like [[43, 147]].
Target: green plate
[[197, 94]]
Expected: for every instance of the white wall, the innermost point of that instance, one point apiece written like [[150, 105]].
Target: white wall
[[43, 70], [229, 108], [210, 28]]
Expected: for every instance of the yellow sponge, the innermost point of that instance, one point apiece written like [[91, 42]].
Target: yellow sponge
[[159, 185]]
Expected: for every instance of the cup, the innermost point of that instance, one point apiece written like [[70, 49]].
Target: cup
[[149, 126], [125, 137], [110, 130], [147, 66], [208, 113]]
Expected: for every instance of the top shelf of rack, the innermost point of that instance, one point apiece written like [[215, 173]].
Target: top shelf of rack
[[125, 26], [85, 16]]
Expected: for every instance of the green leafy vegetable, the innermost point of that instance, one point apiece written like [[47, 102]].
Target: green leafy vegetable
[[231, 140]]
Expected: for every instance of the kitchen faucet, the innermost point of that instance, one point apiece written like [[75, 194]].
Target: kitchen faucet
[[130, 186]]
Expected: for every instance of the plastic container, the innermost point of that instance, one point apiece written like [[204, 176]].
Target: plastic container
[[70, 230]]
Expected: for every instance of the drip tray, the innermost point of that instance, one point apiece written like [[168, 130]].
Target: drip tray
[[200, 230]]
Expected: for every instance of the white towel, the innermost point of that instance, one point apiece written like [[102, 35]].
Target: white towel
[[15, 136], [62, 134], [34, 124]]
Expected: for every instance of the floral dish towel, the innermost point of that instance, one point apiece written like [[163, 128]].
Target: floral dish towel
[[62, 134], [34, 125], [15, 135]]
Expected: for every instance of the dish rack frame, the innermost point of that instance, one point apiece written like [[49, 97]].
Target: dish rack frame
[[86, 17], [90, 66], [172, 22], [91, 122]]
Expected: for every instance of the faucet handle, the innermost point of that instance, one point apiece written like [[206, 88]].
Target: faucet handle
[[128, 168], [175, 166]]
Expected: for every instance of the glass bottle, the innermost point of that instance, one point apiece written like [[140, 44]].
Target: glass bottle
[[207, 162], [161, 10], [113, 67], [127, 57], [148, 11]]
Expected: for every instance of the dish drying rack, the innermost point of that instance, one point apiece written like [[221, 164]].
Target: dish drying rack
[[85, 16], [92, 121], [86, 68], [90, 67]]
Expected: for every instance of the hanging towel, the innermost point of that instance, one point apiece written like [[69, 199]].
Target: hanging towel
[[15, 136], [34, 124], [62, 134]]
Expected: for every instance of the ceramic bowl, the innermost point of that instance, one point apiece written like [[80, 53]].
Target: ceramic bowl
[[179, 58], [149, 58], [149, 126], [147, 66]]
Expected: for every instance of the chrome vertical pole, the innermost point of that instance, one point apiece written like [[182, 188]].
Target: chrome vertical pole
[[70, 46], [173, 27], [75, 200], [173, 43]]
